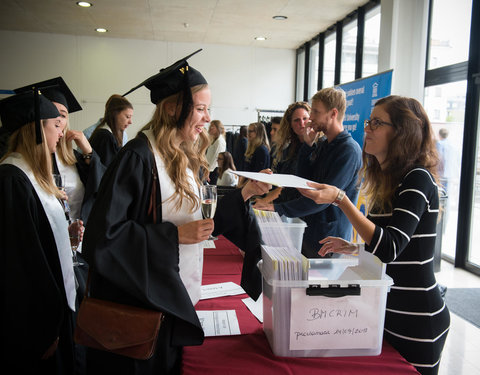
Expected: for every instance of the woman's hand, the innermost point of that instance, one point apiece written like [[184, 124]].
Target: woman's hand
[[263, 206], [51, 349], [77, 228], [323, 193], [195, 231], [256, 187], [337, 245], [79, 138]]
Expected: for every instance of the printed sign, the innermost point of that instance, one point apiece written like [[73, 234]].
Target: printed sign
[[351, 322]]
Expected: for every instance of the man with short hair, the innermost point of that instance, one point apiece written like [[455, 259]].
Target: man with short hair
[[335, 159]]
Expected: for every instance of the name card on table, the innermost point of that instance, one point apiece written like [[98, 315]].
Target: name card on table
[[350, 322], [219, 322]]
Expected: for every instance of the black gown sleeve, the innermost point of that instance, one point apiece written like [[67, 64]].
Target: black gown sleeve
[[105, 145], [90, 174]]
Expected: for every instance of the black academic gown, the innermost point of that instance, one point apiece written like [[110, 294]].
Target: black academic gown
[[33, 304], [134, 261], [105, 145]]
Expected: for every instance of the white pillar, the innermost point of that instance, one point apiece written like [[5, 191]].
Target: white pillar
[[403, 45]]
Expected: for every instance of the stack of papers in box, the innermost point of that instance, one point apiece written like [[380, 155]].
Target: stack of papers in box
[[283, 263], [274, 232]]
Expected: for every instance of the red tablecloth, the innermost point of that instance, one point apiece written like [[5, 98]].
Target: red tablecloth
[[250, 353]]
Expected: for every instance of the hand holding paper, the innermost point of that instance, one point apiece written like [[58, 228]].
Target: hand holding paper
[[283, 180]]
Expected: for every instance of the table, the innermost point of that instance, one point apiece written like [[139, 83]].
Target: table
[[250, 353]]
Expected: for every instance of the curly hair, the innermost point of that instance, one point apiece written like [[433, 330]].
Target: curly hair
[[413, 144], [179, 157], [286, 135]]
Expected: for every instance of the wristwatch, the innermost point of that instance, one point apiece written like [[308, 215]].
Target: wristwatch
[[338, 199]]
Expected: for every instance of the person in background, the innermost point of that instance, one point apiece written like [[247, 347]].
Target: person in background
[[239, 149], [400, 182], [37, 292], [334, 159], [289, 138], [275, 126], [88, 131], [257, 156], [225, 168], [216, 132], [144, 239], [107, 138]]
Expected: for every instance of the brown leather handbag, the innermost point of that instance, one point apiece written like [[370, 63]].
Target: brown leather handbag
[[121, 329]]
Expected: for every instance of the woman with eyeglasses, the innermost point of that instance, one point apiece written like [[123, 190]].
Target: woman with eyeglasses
[[401, 185]]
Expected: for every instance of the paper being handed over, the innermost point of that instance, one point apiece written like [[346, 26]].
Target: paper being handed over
[[277, 179]]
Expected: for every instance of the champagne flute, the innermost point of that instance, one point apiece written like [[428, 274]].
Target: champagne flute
[[74, 230], [208, 195], [60, 182]]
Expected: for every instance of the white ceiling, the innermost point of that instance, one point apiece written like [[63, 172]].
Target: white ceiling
[[233, 22]]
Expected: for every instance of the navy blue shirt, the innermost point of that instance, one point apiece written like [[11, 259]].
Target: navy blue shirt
[[336, 163], [260, 160]]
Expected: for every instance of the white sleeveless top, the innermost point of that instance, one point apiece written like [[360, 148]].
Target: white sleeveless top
[[73, 187], [56, 217], [190, 256]]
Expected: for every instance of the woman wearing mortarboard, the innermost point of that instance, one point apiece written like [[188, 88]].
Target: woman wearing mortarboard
[[37, 291], [82, 170], [150, 255]]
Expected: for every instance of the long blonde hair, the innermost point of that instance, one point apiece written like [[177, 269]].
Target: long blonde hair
[[260, 139], [65, 149], [38, 157], [220, 128], [178, 158]]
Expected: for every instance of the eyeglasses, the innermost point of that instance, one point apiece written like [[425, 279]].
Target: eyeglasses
[[375, 124], [251, 131]]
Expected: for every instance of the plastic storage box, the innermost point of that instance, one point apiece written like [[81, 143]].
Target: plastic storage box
[[328, 318], [273, 233]]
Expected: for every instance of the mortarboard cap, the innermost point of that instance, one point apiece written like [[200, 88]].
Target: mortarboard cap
[[172, 80], [57, 91], [21, 109]]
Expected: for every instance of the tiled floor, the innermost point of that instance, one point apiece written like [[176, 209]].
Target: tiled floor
[[461, 355]]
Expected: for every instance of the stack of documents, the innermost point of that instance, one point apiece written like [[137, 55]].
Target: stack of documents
[[283, 263], [273, 229]]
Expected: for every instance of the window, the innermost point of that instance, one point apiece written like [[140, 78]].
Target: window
[[313, 67], [329, 60], [371, 42], [349, 43], [449, 32], [300, 74]]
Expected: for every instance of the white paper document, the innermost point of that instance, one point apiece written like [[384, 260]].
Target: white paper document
[[278, 179], [219, 322], [220, 290], [255, 307], [209, 244]]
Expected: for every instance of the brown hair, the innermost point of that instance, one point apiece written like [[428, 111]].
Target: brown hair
[[413, 143], [114, 105], [227, 163], [286, 135]]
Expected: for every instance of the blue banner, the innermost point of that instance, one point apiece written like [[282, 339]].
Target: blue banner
[[362, 95]]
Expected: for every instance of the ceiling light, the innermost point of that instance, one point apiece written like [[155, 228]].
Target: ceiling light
[[84, 4], [260, 38], [101, 30], [279, 18]]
